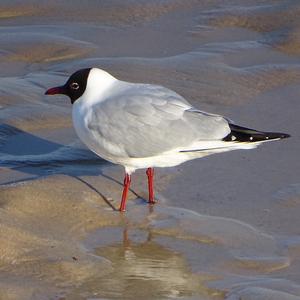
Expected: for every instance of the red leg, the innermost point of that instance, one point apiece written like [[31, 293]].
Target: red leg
[[150, 174], [127, 181]]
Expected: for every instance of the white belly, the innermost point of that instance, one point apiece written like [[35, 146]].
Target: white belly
[[79, 117]]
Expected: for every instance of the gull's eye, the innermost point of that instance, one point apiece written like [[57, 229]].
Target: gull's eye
[[74, 86]]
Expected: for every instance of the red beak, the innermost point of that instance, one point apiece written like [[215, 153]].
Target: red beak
[[56, 90]]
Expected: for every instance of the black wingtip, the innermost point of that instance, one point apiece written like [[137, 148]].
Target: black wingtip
[[284, 135], [276, 135], [243, 134]]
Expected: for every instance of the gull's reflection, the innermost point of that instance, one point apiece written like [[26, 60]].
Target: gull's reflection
[[144, 269]]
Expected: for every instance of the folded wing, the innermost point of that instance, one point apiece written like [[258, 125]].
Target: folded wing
[[146, 120]]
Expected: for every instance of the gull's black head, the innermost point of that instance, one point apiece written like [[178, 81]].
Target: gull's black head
[[74, 87]]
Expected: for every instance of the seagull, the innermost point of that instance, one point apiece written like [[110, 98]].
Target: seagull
[[143, 126]]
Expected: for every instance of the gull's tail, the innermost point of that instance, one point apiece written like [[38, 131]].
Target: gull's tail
[[247, 135], [238, 138]]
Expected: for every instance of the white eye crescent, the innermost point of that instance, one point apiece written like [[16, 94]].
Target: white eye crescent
[[74, 86]]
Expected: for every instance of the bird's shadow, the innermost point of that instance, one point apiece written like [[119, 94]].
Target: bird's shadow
[[37, 157]]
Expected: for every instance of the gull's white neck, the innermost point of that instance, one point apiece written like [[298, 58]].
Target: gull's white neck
[[98, 85]]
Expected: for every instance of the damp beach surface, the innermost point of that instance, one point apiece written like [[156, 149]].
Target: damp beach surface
[[225, 227]]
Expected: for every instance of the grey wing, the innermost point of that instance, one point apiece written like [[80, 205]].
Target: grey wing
[[146, 120]]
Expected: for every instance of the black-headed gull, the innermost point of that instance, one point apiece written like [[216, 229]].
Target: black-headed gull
[[140, 125]]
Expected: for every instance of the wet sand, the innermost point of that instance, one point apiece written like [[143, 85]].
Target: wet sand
[[225, 227]]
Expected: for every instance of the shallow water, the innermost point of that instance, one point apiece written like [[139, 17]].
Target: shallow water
[[225, 227]]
